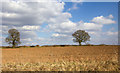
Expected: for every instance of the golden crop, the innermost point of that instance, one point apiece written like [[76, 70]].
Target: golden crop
[[71, 58]]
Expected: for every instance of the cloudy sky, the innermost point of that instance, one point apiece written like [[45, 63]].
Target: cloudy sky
[[50, 23]]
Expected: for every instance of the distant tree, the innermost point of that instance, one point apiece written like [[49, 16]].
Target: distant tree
[[80, 36], [13, 37]]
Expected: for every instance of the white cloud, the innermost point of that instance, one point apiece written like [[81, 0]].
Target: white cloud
[[68, 27], [59, 35], [27, 39], [33, 13], [112, 33], [55, 35], [91, 26], [93, 33], [31, 27], [110, 16], [75, 7], [64, 27], [103, 20], [41, 39], [108, 37]]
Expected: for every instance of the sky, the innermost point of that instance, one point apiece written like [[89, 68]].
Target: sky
[[53, 23]]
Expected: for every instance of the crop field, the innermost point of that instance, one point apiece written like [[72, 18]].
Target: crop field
[[69, 58]]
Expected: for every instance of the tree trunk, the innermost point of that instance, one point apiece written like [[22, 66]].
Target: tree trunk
[[80, 43], [13, 43]]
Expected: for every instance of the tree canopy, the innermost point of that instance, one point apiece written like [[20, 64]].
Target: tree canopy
[[13, 37], [80, 36]]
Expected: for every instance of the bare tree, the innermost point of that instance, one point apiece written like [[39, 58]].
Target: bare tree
[[80, 36], [13, 37]]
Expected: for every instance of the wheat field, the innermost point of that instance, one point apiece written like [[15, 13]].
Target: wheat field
[[69, 58]]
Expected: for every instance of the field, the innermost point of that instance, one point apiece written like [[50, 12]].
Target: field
[[70, 58]]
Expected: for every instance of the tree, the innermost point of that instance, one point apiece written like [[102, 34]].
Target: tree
[[80, 36], [13, 37]]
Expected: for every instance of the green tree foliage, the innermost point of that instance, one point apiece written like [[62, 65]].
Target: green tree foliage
[[80, 36], [13, 37]]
